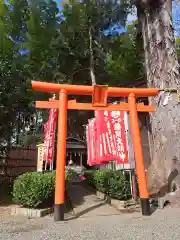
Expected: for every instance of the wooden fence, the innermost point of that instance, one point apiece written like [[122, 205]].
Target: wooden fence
[[18, 161]]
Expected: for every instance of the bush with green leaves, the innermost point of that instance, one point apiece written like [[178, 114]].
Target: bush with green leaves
[[68, 174], [36, 189], [90, 178], [111, 182], [118, 186], [101, 180]]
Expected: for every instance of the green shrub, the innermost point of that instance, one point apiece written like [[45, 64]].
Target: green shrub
[[35, 189], [118, 186], [69, 173], [111, 182], [90, 177], [100, 180]]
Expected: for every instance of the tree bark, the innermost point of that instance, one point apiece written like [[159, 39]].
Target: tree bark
[[91, 67], [162, 70]]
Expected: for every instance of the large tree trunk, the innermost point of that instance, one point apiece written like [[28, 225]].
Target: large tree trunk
[[162, 72], [91, 65]]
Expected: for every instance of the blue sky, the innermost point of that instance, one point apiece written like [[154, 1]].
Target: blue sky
[[176, 16], [59, 3]]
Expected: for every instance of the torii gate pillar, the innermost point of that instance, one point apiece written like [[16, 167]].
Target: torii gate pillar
[[61, 157], [137, 146]]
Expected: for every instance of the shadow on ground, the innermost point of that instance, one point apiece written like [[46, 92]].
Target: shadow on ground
[[81, 198], [5, 195], [85, 202]]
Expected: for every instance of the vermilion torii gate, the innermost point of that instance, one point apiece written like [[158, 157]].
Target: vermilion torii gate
[[100, 94]]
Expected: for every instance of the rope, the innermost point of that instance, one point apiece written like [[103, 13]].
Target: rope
[[172, 90], [169, 89]]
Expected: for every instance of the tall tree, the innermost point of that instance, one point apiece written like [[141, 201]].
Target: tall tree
[[87, 20], [82, 45], [162, 68], [26, 31], [14, 97], [41, 29], [125, 58], [39, 59]]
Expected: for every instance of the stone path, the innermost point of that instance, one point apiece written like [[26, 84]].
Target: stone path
[[86, 203]]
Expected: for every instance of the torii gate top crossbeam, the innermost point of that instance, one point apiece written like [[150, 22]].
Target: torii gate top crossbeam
[[88, 90]]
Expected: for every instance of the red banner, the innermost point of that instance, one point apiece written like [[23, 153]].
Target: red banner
[[111, 136], [88, 145], [92, 142], [49, 139], [46, 141]]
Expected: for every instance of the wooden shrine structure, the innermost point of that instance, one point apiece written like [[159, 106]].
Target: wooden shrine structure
[[76, 152]]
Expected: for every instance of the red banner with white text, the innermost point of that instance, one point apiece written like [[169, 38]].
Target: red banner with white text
[[111, 136], [107, 138], [49, 138], [92, 142], [46, 133]]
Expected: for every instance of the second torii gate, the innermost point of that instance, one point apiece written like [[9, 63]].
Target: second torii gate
[[100, 94]]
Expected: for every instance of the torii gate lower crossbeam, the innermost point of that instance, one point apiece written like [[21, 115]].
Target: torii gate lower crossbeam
[[100, 94]]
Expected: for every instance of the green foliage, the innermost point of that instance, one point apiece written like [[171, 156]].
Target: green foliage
[[100, 179], [36, 190], [90, 177], [69, 174], [73, 41], [18, 32], [118, 186], [125, 58], [58, 45], [178, 48], [113, 183], [58, 42], [33, 189], [41, 30]]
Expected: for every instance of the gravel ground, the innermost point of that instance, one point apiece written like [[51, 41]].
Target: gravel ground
[[163, 224]]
